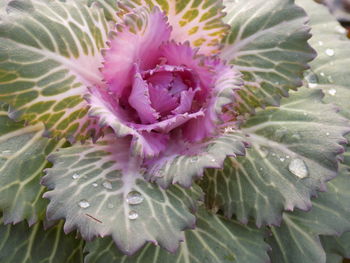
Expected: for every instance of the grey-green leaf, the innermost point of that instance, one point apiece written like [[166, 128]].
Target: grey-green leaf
[[330, 71], [109, 7], [215, 240], [268, 44], [294, 151], [337, 247], [297, 240], [99, 190], [23, 153], [49, 55], [20, 244]]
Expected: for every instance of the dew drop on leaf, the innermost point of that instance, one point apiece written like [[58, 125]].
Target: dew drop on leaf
[[107, 185], [311, 78], [133, 215], [332, 92], [194, 159], [298, 168], [159, 173], [264, 152], [340, 29], [84, 204], [75, 176], [330, 52], [6, 152], [94, 184], [134, 198]]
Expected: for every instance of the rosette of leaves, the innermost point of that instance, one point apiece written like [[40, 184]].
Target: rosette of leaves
[[173, 131]]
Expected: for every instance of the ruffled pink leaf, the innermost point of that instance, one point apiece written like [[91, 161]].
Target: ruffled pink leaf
[[137, 40], [140, 100]]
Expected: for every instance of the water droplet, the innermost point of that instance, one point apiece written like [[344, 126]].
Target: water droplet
[[133, 215], [213, 160], [328, 134], [298, 168], [84, 204], [322, 74], [159, 173], [320, 43], [260, 168], [107, 185], [330, 79], [264, 152], [280, 133], [110, 205], [273, 154], [330, 52], [340, 29], [134, 198], [332, 92], [75, 176], [6, 152], [282, 159], [311, 78], [287, 156], [296, 136], [94, 184], [229, 129], [194, 159]]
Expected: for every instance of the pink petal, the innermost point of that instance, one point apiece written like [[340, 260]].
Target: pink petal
[[162, 79], [128, 47], [139, 99], [185, 102], [227, 80], [110, 114], [168, 125], [161, 100], [184, 55], [152, 143], [197, 129]]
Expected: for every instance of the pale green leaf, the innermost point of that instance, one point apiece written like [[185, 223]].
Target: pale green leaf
[[215, 240], [330, 71], [337, 248], [49, 54], [179, 168], [109, 7], [20, 244], [99, 190], [268, 44], [23, 153], [198, 22], [294, 151], [297, 240]]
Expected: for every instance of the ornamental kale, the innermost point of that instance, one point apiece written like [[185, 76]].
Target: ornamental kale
[[173, 131]]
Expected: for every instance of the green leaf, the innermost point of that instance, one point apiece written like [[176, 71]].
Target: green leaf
[[20, 244], [268, 44], [99, 189], [109, 7], [336, 247], [23, 153], [49, 54], [330, 71], [294, 151], [215, 239], [178, 168], [297, 240]]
